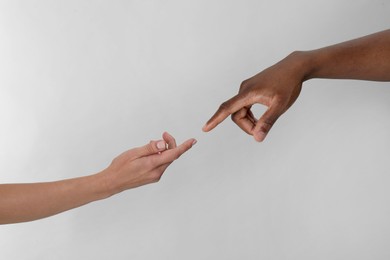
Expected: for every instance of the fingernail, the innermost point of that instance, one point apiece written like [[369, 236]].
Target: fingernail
[[194, 142], [161, 145]]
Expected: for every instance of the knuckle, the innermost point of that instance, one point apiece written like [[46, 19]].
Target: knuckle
[[278, 100], [225, 107], [181, 151], [270, 119], [151, 147], [268, 123], [244, 84], [235, 117], [265, 127], [176, 156]]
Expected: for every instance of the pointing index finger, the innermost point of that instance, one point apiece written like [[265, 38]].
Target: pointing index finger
[[225, 109]]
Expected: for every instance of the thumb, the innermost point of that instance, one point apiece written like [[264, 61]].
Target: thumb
[[265, 123]]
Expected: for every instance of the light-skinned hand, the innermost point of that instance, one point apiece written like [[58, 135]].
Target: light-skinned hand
[[144, 165]]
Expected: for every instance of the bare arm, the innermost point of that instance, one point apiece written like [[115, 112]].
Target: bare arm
[[365, 58], [26, 202], [136, 167], [277, 87]]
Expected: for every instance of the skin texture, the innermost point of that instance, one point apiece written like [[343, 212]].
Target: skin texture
[[278, 87], [131, 169]]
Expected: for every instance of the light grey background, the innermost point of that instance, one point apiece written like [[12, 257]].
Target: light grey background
[[82, 81]]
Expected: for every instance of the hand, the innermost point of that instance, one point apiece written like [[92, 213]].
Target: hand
[[136, 167], [143, 165], [276, 87]]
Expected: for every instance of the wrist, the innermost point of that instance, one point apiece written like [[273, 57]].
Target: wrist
[[305, 64], [103, 185]]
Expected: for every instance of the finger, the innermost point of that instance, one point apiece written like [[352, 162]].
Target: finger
[[247, 112], [172, 154], [251, 117], [152, 147], [245, 120], [225, 109], [171, 145], [170, 140], [266, 121]]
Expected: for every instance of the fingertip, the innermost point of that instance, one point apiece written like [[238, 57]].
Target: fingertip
[[259, 136], [256, 139], [189, 144], [208, 127], [166, 134], [170, 140]]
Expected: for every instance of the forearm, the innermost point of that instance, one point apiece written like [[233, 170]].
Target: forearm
[[366, 58], [136, 167], [27, 202]]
